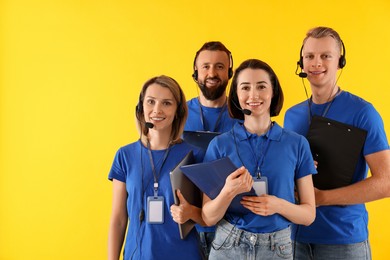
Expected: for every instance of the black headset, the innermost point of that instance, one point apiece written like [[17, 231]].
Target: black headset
[[230, 71], [342, 60]]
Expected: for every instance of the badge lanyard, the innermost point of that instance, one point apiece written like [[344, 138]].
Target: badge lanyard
[[202, 120], [264, 149], [155, 175], [310, 101]]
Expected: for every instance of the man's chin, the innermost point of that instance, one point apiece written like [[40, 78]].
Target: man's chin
[[212, 96], [212, 92]]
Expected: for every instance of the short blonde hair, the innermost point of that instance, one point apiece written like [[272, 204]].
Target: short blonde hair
[[321, 32]]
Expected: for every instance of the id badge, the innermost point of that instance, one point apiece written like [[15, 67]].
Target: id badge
[[260, 185], [155, 210]]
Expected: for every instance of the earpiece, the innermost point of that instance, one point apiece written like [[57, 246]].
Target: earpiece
[[195, 75], [342, 59], [139, 109], [180, 105], [300, 62], [230, 71]]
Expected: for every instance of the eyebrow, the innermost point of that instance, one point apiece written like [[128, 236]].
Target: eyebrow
[[258, 82], [163, 99], [311, 52], [208, 63]]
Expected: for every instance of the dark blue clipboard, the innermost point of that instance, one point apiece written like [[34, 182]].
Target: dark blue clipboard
[[210, 178], [200, 139]]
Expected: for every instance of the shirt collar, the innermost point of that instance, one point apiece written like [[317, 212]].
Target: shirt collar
[[242, 134]]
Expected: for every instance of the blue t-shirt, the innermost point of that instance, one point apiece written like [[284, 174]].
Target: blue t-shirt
[[214, 119], [286, 159], [340, 224], [152, 241]]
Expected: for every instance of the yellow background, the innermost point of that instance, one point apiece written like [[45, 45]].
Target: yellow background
[[70, 74]]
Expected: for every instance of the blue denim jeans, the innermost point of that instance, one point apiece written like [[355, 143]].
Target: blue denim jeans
[[205, 239], [358, 251], [233, 243]]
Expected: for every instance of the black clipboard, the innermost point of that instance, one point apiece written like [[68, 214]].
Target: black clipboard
[[190, 192], [336, 147], [210, 178], [200, 139]]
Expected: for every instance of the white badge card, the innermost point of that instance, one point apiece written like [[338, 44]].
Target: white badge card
[[260, 185], [155, 210]]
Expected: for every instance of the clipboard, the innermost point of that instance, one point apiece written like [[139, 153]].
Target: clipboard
[[210, 178], [336, 147], [200, 139], [190, 192]]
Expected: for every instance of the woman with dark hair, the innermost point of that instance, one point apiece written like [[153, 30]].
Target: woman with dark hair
[[264, 153], [142, 191]]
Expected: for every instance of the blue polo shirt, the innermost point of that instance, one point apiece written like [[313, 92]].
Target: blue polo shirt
[[286, 159], [152, 241], [340, 224]]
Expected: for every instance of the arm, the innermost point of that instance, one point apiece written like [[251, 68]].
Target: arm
[[184, 211], [118, 222], [302, 214], [237, 182], [375, 187]]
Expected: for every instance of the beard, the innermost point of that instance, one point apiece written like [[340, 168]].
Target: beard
[[215, 92]]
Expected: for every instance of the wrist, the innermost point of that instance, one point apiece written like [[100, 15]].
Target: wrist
[[227, 193]]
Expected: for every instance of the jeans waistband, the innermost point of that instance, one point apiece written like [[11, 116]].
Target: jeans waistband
[[254, 238]]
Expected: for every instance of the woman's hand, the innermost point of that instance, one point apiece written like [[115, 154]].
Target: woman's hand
[[181, 213], [264, 205], [237, 182]]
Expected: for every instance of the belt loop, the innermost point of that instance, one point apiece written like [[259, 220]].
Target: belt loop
[[238, 236], [202, 236], [272, 238]]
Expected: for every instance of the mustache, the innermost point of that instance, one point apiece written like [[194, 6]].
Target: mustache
[[213, 78]]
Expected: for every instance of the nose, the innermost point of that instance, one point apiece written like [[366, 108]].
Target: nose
[[317, 62], [254, 94], [212, 71], [157, 108]]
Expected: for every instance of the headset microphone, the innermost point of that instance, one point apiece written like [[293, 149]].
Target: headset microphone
[[244, 111], [149, 125], [300, 74]]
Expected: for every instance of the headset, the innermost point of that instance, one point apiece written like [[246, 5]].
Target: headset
[[230, 70], [342, 60]]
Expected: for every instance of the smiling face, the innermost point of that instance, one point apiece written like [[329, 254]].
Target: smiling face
[[212, 67], [254, 91], [159, 107], [320, 61]]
